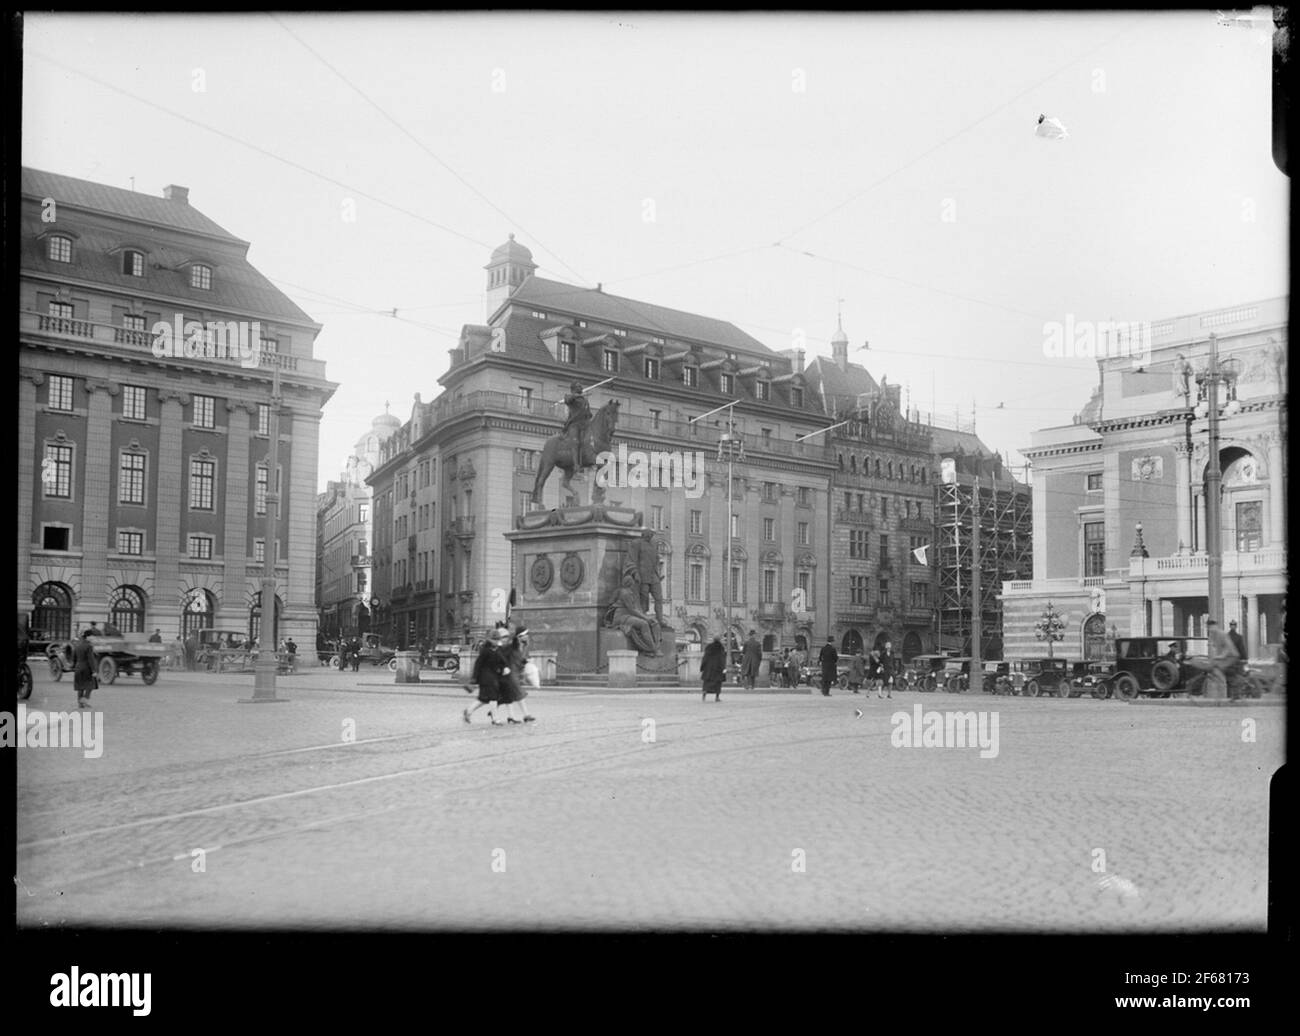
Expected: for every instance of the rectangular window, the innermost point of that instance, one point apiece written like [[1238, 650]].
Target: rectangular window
[[610, 361], [804, 496], [568, 352], [133, 264], [763, 390], [697, 523], [205, 408], [769, 491], [804, 581], [652, 368], [60, 397], [363, 512], [56, 471], [656, 416], [361, 582], [656, 516], [858, 591], [203, 477], [796, 397], [766, 434], [696, 576], [769, 529], [803, 534], [1094, 549], [263, 419], [59, 249], [525, 398], [259, 551], [848, 501], [618, 331], [691, 377], [735, 525], [862, 502], [55, 537], [726, 384], [882, 598], [200, 547], [920, 595], [133, 402], [858, 543], [737, 583], [1250, 525], [135, 326], [130, 482], [539, 315], [130, 542], [769, 585], [200, 276], [1094, 482], [884, 548], [260, 489], [884, 508]]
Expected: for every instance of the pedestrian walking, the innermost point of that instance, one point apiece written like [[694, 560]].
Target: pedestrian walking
[[857, 671], [191, 650], [1224, 660], [829, 659], [713, 668], [83, 670], [489, 675], [794, 667], [291, 650], [751, 659], [156, 638], [888, 668], [354, 648], [516, 687]]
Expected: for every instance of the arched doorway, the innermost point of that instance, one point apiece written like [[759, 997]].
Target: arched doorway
[[879, 643], [52, 612], [912, 645], [255, 620], [1094, 638], [851, 643], [198, 611], [769, 641], [126, 609], [801, 641]]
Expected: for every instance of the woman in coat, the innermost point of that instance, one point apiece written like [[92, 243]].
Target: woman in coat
[[513, 688], [490, 674], [83, 670], [713, 669]]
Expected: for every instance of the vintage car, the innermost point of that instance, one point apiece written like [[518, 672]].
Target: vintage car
[[114, 656], [1162, 666], [443, 656], [1002, 678], [1092, 678], [923, 672], [1047, 676], [374, 651]]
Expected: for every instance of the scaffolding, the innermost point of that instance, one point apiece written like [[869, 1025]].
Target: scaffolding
[[1006, 552]]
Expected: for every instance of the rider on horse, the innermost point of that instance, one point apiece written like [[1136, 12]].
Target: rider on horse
[[577, 423]]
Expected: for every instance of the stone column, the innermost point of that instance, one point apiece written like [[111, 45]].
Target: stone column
[[1276, 492], [1183, 480], [169, 492], [1254, 646], [231, 613], [27, 479], [97, 487], [298, 527], [1157, 617]]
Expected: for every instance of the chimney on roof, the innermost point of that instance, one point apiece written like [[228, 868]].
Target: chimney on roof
[[174, 193], [599, 286], [797, 365]]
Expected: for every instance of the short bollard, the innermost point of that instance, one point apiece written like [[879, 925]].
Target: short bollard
[[408, 667]]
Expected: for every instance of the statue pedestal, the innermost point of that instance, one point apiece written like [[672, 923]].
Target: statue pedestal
[[568, 564], [622, 667]]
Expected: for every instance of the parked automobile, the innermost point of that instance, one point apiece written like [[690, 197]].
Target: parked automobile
[[1091, 678], [811, 674], [1047, 676], [114, 656], [444, 656], [374, 651], [923, 672], [999, 679]]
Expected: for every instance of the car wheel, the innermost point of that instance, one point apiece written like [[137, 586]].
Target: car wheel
[[451, 665], [1100, 691], [56, 668], [1164, 675], [392, 664], [149, 671], [107, 669], [24, 681], [1127, 686], [335, 662], [1064, 691], [1032, 689], [954, 685]]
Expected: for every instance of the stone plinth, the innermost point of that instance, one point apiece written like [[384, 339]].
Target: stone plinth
[[408, 667], [545, 662], [568, 566], [622, 667], [688, 665]]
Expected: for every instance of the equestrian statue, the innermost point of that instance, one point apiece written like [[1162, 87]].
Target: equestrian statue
[[579, 443]]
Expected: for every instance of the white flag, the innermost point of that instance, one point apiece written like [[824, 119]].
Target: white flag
[[921, 554], [1052, 129]]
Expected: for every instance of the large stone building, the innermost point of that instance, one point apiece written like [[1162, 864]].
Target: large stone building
[[815, 509], [142, 470], [1119, 496], [345, 533]]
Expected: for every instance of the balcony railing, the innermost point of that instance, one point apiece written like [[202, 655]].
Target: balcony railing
[[771, 610], [845, 514], [1270, 559], [464, 525], [135, 340]]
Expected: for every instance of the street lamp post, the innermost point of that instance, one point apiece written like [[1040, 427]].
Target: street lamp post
[[1209, 379], [264, 672]]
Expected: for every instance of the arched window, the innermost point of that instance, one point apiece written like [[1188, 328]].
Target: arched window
[[851, 643], [911, 645], [923, 476], [877, 467], [890, 469], [126, 609], [1094, 638], [853, 464], [198, 610], [52, 612], [841, 458]]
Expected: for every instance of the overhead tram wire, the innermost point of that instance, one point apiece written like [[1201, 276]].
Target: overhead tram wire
[[423, 147], [260, 150], [951, 137]]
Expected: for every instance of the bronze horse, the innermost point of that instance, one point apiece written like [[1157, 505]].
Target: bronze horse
[[559, 451]]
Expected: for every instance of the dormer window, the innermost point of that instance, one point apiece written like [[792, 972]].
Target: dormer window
[[763, 390], [691, 377], [611, 361], [652, 368], [133, 263], [201, 277], [59, 248], [726, 384], [568, 352], [796, 396]]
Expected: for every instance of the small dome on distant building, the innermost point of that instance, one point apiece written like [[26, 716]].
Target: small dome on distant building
[[512, 250], [840, 338]]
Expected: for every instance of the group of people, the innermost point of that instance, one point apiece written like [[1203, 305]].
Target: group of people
[[502, 675], [878, 670]]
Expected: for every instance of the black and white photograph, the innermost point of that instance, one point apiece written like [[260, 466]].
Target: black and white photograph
[[722, 474]]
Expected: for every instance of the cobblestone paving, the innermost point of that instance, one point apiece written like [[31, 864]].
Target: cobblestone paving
[[761, 812]]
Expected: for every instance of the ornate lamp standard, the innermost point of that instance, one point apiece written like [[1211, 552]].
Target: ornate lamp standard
[[1208, 407], [1050, 627]]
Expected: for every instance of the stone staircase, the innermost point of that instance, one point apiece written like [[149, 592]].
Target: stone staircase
[[600, 681]]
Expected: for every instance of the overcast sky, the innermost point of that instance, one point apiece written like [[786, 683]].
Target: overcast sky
[[790, 161]]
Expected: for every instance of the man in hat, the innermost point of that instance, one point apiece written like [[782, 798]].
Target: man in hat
[[1234, 671], [830, 663], [577, 423], [1223, 659]]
